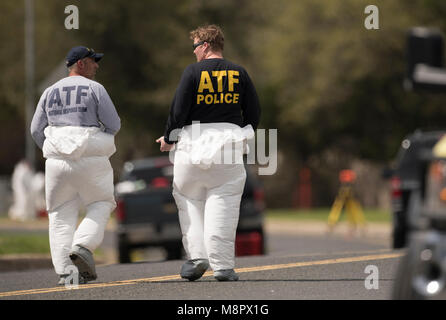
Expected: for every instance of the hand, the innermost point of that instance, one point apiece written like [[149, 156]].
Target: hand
[[164, 146]]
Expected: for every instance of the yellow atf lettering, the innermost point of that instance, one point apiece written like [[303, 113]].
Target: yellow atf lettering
[[219, 75], [218, 98], [232, 79], [228, 98], [210, 100], [205, 82]]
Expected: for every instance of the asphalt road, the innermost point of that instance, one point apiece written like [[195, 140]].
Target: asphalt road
[[298, 266]]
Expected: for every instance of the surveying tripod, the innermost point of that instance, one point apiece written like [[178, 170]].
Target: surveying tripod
[[345, 198]]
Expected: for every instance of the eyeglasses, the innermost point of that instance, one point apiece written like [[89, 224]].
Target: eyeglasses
[[196, 45]]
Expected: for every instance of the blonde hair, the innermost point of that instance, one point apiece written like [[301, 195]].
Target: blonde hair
[[212, 34]]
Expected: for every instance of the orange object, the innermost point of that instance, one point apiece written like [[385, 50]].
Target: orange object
[[443, 195], [347, 176]]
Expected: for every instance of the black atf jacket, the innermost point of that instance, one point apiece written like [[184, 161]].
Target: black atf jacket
[[213, 90]]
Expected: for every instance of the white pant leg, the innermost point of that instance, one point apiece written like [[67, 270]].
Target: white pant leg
[[90, 181], [62, 223], [94, 182], [63, 205], [90, 232], [222, 212], [191, 215], [189, 194]]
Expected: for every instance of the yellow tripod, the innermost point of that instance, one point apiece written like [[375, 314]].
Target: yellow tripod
[[354, 211]]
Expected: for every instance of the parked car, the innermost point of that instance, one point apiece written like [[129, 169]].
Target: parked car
[[406, 178], [422, 271], [147, 215]]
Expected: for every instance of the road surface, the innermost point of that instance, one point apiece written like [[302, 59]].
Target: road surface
[[299, 265]]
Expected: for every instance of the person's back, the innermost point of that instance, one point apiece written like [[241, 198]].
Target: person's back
[[213, 100], [74, 101], [74, 125], [218, 92]]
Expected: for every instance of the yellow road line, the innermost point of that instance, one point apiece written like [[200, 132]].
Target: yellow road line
[[209, 273]]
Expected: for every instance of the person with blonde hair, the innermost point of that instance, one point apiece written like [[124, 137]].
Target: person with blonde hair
[[214, 111]]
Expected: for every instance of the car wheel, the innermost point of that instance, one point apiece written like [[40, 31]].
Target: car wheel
[[407, 272], [399, 238], [174, 252], [123, 251], [399, 232]]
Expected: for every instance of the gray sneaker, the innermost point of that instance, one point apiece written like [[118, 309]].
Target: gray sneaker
[[194, 269], [82, 258], [63, 280], [226, 275]]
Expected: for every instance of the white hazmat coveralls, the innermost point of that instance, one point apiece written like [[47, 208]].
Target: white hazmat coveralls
[[23, 207], [78, 172], [74, 124], [209, 178]]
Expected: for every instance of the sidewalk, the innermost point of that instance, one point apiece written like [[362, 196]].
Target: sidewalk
[[378, 233], [40, 224], [30, 261], [321, 228]]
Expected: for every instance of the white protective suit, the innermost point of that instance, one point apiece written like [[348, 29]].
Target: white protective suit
[[23, 207], [78, 172], [207, 188]]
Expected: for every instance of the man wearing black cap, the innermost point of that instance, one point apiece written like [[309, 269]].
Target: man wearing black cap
[[77, 61], [74, 124]]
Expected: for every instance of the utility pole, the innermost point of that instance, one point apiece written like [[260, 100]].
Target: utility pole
[[30, 151]]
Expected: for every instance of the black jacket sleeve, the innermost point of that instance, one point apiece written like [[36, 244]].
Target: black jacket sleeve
[[250, 104], [180, 107]]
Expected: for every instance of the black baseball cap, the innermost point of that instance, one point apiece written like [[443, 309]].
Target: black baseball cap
[[81, 52]]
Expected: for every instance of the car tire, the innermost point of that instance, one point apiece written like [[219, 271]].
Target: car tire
[[399, 232], [174, 252], [123, 251], [399, 238], [403, 287], [263, 241]]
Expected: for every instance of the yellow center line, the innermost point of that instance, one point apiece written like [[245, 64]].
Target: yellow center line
[[209, 273]]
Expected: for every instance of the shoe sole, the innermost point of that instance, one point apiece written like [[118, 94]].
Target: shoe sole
[[222, 277], [226, 279], [83, 267]]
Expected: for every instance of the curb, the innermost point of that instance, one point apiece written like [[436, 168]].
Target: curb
[[21, 262]]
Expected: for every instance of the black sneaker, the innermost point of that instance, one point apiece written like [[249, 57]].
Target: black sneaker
[[82, 258], [226, 275], [194, 269]]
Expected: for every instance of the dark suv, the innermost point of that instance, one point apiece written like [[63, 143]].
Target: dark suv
[[147, 215], [407, 176]]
